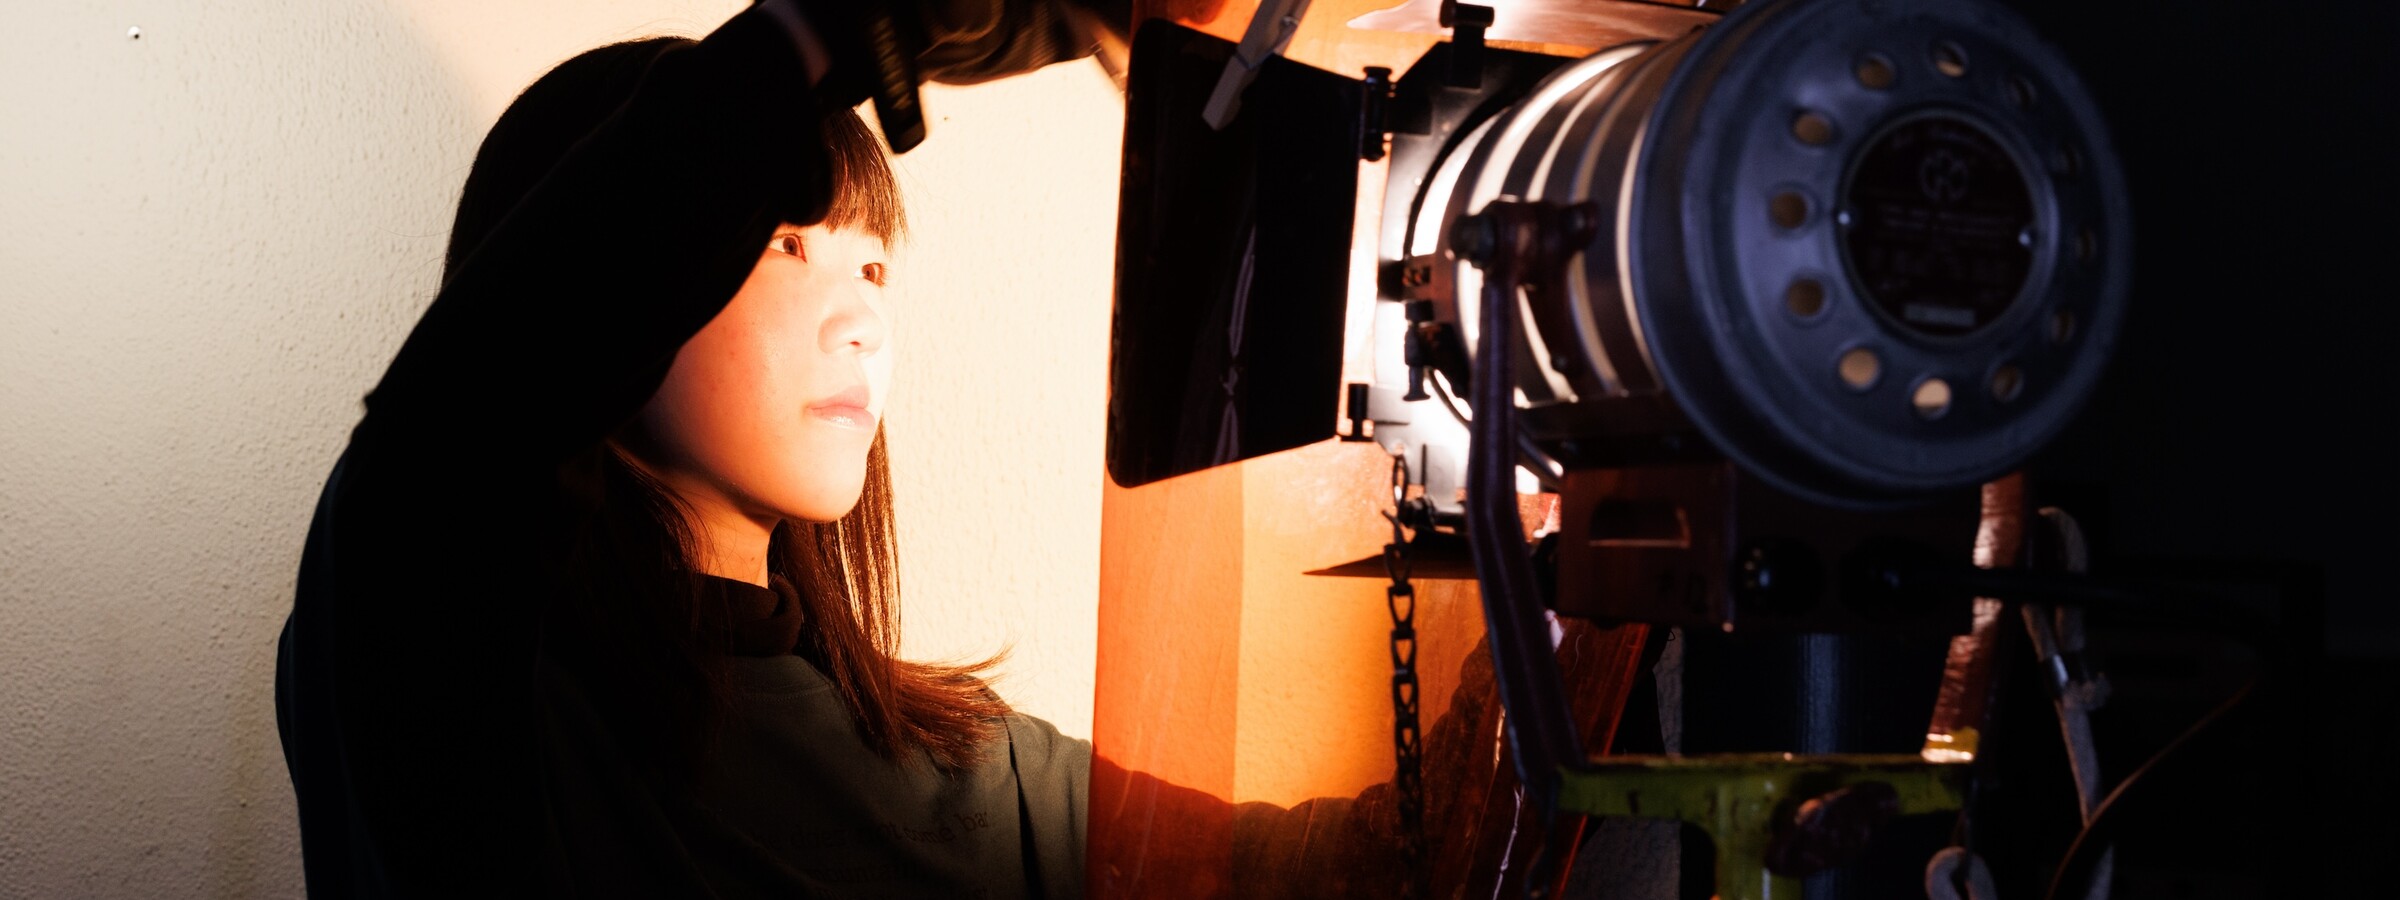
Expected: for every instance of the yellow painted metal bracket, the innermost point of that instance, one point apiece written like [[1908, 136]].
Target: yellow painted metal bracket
[[1739, 798]]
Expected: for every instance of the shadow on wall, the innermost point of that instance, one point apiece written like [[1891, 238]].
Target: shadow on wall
[[216, 234]]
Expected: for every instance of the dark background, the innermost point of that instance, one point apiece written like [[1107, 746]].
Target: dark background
[[2251, 410], [2247, 427]]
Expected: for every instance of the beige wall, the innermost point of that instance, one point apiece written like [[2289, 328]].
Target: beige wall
[[211, 240]]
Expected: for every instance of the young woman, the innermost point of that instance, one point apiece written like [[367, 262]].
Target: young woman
[[599, 599]]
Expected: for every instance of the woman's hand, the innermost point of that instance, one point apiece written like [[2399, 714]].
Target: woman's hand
[[881, 49]]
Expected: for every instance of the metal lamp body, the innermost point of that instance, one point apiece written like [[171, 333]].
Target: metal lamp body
[[1869, 251]]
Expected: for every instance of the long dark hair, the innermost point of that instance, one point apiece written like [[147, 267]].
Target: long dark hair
[[628, 616]]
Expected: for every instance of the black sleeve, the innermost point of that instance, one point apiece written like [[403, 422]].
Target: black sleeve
[[970, 41]]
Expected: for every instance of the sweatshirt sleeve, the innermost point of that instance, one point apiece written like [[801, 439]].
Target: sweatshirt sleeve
[[1054, 774], [971, 42], [564, 319]]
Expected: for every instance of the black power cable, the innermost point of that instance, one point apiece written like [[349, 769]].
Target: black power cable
[[2072, 868]]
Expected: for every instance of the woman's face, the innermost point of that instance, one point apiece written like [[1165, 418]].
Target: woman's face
[[769, 410]]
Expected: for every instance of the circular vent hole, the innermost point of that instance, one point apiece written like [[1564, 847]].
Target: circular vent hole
[[2069, 163], [1931, 398], [1805, 298], [2062, 326], [1812, 128], [2020, 93], [1787, 209], [1876, 72], [1859, 368], [1950, 59], [2007, 382]]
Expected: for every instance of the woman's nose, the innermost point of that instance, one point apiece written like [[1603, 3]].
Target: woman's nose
[[853, 322]]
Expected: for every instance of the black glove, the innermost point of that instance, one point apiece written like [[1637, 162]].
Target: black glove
[[881, 49]]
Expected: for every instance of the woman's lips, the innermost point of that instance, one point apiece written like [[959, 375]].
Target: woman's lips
[[844, 415], [847, 408]]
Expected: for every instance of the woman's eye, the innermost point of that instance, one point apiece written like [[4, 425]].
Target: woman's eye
[[786, 243], [872, 272]]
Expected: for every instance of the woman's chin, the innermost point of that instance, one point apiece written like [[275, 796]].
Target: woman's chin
[[827, 507]]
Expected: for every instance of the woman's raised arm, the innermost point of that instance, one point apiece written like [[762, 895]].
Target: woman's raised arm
[[563, 320]]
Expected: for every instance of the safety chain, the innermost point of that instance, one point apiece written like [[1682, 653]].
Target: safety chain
[[1408, 744]]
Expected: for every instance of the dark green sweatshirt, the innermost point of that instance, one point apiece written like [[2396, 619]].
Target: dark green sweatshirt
[[792, 778]]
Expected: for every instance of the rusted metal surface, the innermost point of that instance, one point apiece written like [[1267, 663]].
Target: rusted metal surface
[[1956, 729]]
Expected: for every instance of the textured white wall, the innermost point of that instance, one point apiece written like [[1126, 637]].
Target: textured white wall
[[212, 239], [1000, 403]]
